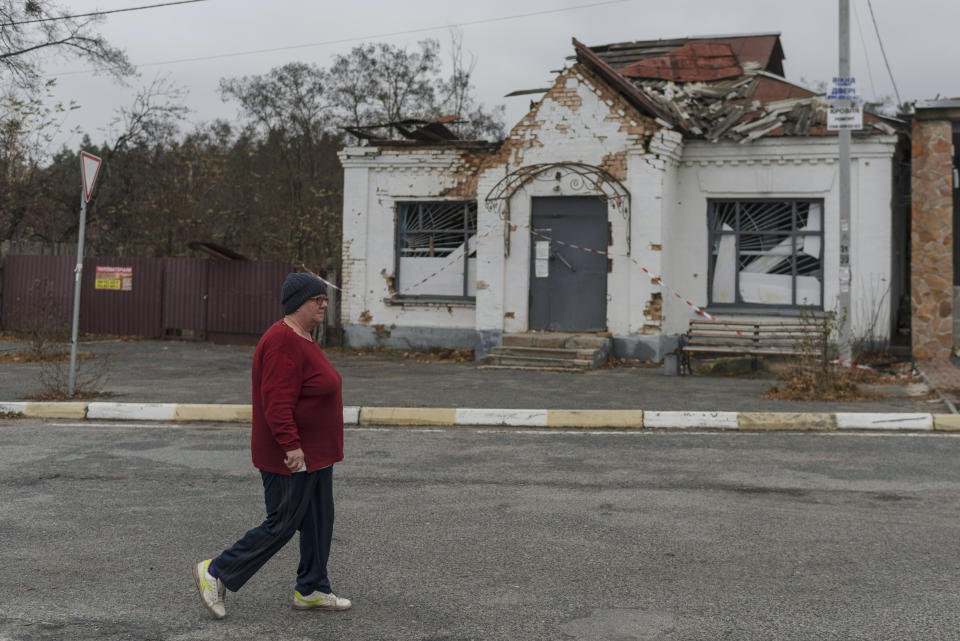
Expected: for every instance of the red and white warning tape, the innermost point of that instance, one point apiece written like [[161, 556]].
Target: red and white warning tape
[[658, 280], [456, 258], [850, 364]]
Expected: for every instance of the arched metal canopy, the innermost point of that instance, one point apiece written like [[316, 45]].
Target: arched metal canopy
[[579, 177]]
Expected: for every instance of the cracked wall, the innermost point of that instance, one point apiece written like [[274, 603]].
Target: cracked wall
[[579, 119]]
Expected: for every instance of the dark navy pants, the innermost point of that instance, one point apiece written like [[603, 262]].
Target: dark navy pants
[[302, 501]]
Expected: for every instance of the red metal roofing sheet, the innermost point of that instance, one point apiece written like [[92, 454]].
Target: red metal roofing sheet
[[759, 49], [772, 89], [692, 62]]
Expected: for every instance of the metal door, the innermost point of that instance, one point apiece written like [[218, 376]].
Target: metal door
[[568, 287]]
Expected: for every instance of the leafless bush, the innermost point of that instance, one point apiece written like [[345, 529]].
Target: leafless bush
[[92, 376], [47, 327], [812, 375]]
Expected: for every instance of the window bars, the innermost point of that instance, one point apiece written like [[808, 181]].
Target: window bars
[[766, 253], [429, 235]]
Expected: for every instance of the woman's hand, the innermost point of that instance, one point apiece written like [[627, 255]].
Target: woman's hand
[[294, 460]]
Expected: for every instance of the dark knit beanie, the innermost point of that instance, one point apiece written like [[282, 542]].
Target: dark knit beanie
[[298, 289]]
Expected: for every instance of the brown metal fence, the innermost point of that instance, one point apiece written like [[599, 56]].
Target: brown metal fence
[[185, 294], [225, 301], [37, 291], [136, 312], [244, 298]]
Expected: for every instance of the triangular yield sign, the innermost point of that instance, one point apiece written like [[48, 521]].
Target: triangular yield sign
[[89, 167]]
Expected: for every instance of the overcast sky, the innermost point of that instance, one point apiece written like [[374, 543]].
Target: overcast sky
[[920, 38]]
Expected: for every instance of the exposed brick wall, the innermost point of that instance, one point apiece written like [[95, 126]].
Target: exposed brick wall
[[931, 262], [616, 165]]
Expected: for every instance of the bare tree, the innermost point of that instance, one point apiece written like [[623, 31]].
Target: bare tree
[[382, 83], [31, 29], [291, 110], [475, 120], [379, 83], [152, 119]]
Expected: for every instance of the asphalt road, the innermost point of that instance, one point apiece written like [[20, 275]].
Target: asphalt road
[[491, 534], [183, 372]]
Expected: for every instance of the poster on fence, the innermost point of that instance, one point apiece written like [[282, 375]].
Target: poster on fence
[[115, 278]]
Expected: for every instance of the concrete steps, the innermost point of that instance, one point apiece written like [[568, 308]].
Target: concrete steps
[[549, 351]]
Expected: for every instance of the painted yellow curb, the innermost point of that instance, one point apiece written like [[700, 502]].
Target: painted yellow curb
[[55, 410], [595, 418], [211, 412], [787, 421], [408, 416], [946, 422]]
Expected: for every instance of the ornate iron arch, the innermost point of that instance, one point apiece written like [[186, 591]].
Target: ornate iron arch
[[579, 177]]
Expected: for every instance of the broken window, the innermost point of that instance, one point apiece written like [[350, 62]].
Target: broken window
[[766, 253], [437, 241]]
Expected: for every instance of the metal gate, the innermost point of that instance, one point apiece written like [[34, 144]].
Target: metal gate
[[568, 287]]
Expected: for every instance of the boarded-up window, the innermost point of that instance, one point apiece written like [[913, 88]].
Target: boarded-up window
[[436, 249], [766, 253]]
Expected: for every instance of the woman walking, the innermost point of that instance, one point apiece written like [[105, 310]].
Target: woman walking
[[297, 436]]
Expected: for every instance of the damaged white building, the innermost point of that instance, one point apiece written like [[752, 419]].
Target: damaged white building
[[653, 178]]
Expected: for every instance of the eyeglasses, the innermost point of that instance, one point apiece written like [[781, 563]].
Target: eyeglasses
[[319, 300]]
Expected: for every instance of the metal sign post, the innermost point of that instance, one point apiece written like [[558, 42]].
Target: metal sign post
[[89, 169], [844, 343]]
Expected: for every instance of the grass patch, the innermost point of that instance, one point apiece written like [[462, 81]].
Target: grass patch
[[79, 395], [441, 356], [436, 355], [614, 362], [30, 356], [796, 382]]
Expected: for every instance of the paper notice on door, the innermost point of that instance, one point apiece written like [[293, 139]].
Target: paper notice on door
[[542, 268], [541, 250]]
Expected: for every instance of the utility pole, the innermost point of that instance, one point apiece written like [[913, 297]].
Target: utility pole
[[843, 307]]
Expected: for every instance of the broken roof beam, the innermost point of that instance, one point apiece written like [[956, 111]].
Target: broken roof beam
[[593, 62], [735, 113]]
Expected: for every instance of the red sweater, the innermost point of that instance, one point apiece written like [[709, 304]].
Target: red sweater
[[297, 402]]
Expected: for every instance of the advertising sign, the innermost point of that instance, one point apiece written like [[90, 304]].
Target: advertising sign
[[116, 278], [845, 117], [843, 88], [846, 110]]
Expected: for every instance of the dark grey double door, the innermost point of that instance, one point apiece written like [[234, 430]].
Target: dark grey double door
[[568, 286]]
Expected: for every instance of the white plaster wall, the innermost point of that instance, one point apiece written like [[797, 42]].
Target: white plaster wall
[[490, 263], [788, 168], [652, 183], [560, 130], [374, 180]]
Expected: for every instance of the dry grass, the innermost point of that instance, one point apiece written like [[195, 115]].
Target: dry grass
[[442, 356], [614, 362], [61, 395], [813, 385], [798, 381], [29, 356], [806, 379], [438, 355]]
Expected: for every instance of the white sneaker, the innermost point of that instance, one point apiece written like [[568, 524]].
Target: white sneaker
[[319, 601], [212, 591]]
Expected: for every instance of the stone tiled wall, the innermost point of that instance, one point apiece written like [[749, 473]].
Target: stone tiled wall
[[931, 263]]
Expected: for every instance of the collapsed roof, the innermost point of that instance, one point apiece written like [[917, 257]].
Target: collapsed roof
[[415, 132], [716, 88]]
